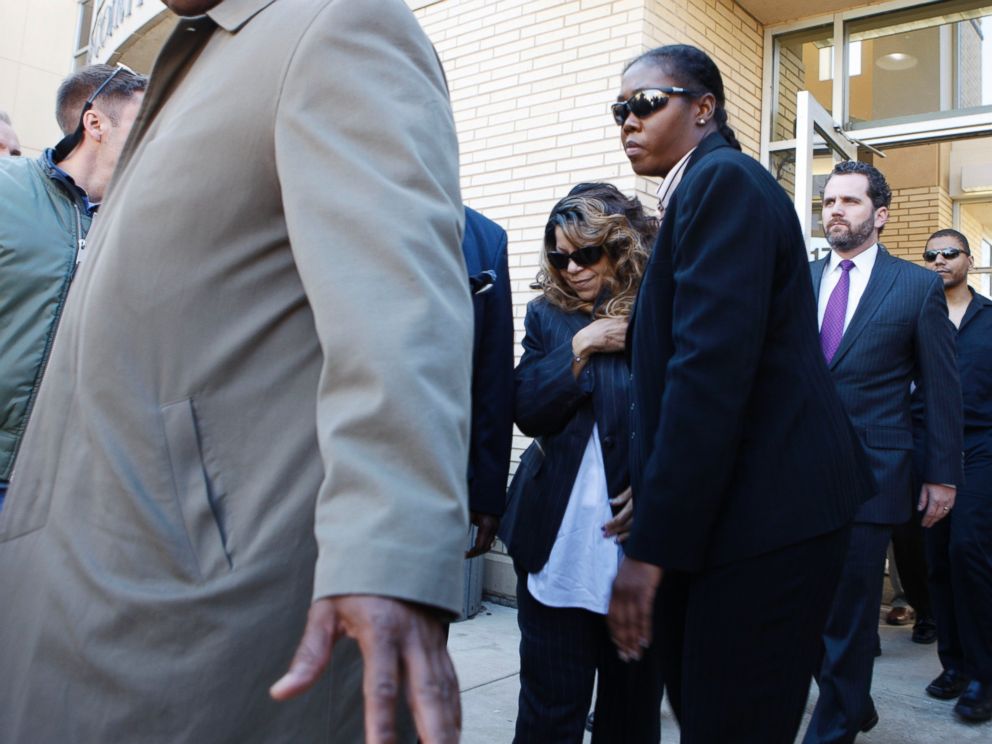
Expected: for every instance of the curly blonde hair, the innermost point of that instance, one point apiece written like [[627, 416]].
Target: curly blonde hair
[[599, 214]]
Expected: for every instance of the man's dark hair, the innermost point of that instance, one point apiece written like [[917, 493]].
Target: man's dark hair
[[80, 85], [878, 189], [949, 232]]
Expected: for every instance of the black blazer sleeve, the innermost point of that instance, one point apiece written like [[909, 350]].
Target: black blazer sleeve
[[492, 394], [720, 305], [940, 388], [547, 394]]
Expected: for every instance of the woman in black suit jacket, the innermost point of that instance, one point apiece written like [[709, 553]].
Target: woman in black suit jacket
[[569, 500], [746, 472]]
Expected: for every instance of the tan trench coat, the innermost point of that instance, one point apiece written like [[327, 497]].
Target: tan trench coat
[[259, 392]]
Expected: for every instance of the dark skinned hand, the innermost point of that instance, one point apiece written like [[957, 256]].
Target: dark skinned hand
[[631, 607], [488, 527], [403, 645]]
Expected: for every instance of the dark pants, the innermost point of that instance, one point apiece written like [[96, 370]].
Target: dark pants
[[745, 679], [561, 651], [911, 562], [3, 491], [850, 639], [959, 550]]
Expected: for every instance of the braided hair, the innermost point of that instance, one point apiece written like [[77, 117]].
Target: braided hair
[[690, 67]]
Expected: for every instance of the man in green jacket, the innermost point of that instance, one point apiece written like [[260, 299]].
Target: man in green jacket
[[46, 206]]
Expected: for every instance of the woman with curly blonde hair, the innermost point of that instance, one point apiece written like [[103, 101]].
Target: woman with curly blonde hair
[[570, 504]]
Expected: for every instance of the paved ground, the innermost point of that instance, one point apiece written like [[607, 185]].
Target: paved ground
[[485, 653]]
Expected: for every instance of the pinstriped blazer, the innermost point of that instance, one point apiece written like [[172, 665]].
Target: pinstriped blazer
[[899, 332], [560, 411]]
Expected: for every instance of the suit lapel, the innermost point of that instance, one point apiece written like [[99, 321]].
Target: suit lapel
[[883, 275]]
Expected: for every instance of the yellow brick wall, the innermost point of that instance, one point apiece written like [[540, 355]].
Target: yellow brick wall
[[732, 38], [914, 215]]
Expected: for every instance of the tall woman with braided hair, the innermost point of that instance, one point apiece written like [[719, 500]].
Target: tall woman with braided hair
[[745, 470]]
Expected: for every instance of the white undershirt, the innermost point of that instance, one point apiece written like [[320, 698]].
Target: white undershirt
[[863, 264], [583, 563], [671, 182]]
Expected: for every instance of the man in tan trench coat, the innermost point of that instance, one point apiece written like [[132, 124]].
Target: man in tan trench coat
[[258, 397]]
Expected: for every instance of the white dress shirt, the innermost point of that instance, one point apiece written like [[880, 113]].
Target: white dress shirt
[[863, 264], [671, 182], [583, 563]]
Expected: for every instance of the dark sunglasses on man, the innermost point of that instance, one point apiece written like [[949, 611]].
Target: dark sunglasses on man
[[645, 102], [948, 253], [68, 143], [582, 256]]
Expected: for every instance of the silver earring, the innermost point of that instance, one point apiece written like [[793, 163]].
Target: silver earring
[[702, 121]]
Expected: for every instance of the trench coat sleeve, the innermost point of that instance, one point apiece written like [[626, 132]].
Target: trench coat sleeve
[[368, 166], [723, 274], [547, 393]]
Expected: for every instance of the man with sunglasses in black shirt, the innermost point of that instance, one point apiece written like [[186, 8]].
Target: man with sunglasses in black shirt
[[959, 548], [46, 206]]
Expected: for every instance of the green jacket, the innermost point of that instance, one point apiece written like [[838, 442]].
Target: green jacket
[[43, 224]]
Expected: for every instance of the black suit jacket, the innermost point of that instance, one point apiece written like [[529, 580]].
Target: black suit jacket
[[740, 444], [484, 248], [974, 360], [899, 332], [560, 411]]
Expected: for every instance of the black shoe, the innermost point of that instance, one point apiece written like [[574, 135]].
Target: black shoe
[[948, 685], [589, 722], [871, 720], [925, 630], [975, 703]]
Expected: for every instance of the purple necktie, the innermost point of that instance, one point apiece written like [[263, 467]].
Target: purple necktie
[[832, 329]]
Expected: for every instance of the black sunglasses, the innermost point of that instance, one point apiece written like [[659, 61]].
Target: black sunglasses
[[948, 253], [582, 256], [68, 143], [645, 102]]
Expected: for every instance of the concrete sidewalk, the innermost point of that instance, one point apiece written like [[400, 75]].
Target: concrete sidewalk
[[485, 653]]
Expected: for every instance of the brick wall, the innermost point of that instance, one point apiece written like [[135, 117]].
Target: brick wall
[[915, 214]]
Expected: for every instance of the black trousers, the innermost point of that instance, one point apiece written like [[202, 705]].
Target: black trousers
[[850, 639], [745, 681], [561, 652], [959, 551]]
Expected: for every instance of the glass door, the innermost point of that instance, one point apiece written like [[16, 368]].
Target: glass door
[[801, 165]]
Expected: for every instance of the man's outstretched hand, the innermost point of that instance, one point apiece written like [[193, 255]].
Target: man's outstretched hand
[[402, 645]]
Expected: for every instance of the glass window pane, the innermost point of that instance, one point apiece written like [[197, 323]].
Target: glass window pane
[[803, 61], [928, 61]]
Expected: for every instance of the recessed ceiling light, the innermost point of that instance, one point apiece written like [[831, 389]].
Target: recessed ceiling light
[[896, 61]]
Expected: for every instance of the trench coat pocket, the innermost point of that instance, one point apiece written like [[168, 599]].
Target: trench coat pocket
[[195, 494]]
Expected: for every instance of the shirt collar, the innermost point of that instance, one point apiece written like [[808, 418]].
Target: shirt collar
[[57, 174], [864, 261], [672, 181]]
